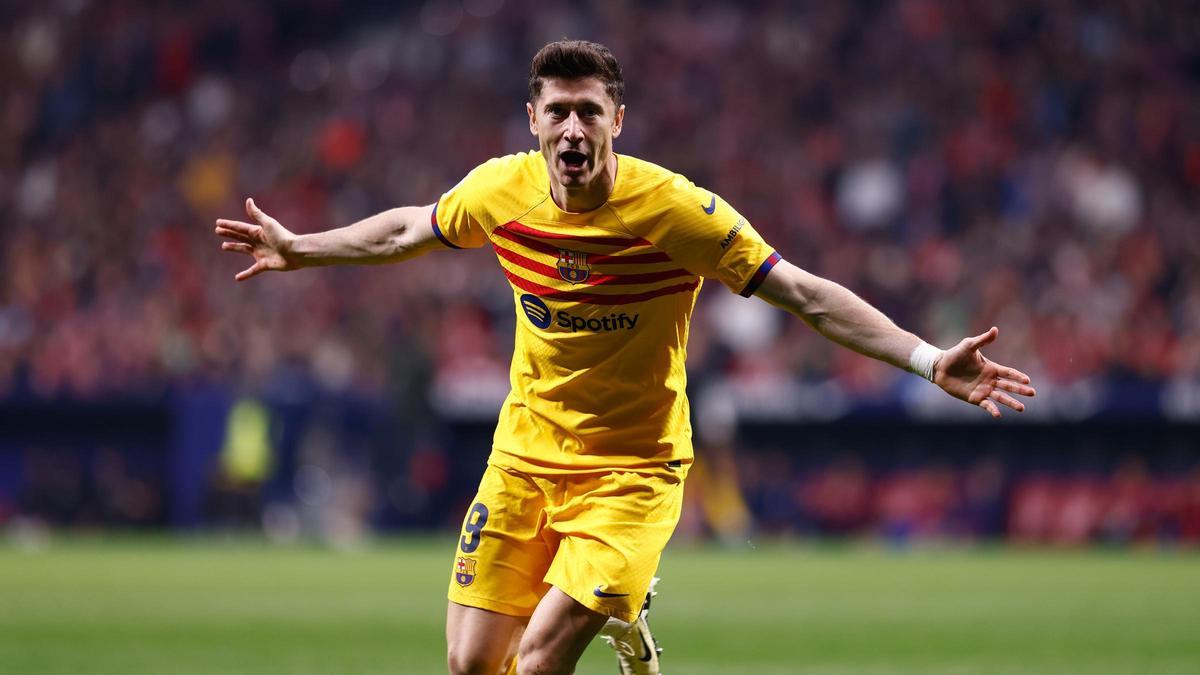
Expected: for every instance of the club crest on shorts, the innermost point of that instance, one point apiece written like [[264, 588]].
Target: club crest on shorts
[[573, 266], [464, 571]]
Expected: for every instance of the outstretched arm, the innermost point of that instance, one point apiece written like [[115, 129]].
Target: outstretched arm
[[836, 313], [391, 236]]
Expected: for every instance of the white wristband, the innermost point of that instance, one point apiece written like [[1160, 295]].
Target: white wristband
[[923, 358]]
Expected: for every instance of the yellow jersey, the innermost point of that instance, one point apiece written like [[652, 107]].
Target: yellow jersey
[[603, 302]]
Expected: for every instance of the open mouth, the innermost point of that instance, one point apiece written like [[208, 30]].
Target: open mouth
[[573, 158]]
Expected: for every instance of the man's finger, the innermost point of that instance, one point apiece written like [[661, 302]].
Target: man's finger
[[238, 235], [1015, 387], [237, 247], [987, 405], [1013, 374], [256, 213], [1007, 400], [250, 271], [984, 338], [237, 225]]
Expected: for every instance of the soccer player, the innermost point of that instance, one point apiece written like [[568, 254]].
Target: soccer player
[[605, 255]]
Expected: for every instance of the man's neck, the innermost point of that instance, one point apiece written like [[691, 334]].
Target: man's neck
[[590, 196]]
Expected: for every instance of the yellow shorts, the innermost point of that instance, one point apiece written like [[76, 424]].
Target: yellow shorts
[[597, 537]]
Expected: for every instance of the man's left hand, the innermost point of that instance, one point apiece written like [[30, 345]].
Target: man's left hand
[[964, 373]]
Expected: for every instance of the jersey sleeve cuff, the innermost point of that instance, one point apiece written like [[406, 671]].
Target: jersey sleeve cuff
[[437, 230], [760, 274]]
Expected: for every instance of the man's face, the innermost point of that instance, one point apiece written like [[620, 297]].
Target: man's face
[[575, 122]]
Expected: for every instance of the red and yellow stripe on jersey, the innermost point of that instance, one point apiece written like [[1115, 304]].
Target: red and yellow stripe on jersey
[[604, 300]]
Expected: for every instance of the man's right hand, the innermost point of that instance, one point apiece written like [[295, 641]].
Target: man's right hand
[[265, 240]]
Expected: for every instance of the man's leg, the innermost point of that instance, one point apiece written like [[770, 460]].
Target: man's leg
[[480, 642], [558, 632], [496, 580]]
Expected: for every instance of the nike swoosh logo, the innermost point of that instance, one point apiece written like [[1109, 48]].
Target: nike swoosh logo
[[712, 206], [645, 646], [601, 594]]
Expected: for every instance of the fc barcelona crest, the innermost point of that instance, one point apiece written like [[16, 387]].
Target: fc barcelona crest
[[573, 266], [464, 571]]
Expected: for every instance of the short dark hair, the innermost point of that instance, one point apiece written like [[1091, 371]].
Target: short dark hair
[[574, 59]]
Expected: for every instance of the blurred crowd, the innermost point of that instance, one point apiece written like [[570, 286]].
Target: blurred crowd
[[987, 499], [960, 164], [733, 496]]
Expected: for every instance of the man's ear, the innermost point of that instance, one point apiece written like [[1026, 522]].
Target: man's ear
[[618, 120], [532, 119]]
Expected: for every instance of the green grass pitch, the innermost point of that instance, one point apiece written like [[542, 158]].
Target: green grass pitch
[[157, 606]]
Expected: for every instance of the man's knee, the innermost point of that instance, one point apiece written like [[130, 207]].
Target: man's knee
[[480, 641], [466, 661]]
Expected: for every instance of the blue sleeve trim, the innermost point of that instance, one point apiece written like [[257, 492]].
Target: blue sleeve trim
[[437, 230], [761, 274]]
